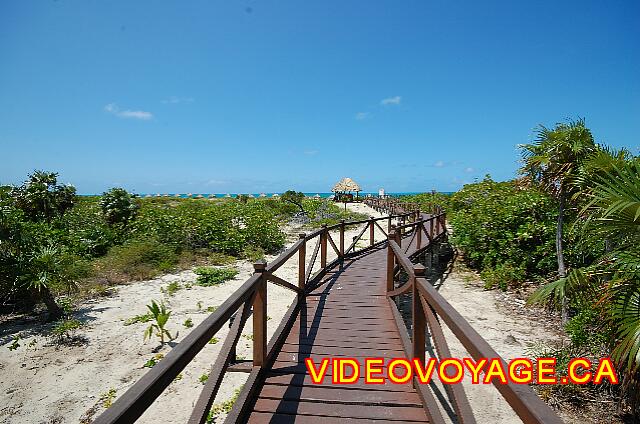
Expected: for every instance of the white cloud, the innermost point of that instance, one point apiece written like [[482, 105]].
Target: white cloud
[[439, 164], [391, 101], [176, 99], [113, 109], [469, 169], [311, 152], [360, 116]]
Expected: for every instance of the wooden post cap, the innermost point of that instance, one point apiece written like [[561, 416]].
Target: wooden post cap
[[419, 270], [260, 265], [302, 235]]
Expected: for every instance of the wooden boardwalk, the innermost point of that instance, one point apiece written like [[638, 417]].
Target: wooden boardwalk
[[345, 308], [348, 315]]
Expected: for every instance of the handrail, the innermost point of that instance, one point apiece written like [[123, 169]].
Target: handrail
[[132, 404], [427, 302]]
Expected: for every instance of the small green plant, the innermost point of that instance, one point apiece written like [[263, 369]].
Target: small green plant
[[268, 317], [15, 343], [161, 316], [188, 323], [248, 336], [65, 328], [138, 318], [172, 288], [67, 305], [203, 378], [224, 407], [208, 276], [199, 305], [108, 397], [213, 340], [178, 377], [153, 361], [211, 308]]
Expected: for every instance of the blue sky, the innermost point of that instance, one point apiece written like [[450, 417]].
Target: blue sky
[[251, 96]]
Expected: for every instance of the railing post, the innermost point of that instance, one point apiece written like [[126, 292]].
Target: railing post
[[260, 316], [371, 231], [389, 225], [342, 238], [419, 320], [390, 261], [431, 226], [397, 235], [302, 261], [323, 246], [419, 234]]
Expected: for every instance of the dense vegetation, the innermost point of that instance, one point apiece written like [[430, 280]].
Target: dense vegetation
[[571, 223], [53, 242]]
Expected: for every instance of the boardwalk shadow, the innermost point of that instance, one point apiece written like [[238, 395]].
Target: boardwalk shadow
[[308, 326]]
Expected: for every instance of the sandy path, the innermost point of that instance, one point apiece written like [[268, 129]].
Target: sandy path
[[64, 384]]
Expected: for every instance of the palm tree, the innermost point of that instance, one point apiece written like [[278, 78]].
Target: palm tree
[[613, 281], [554, 161]]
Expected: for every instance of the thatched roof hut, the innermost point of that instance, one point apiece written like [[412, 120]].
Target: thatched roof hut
[[346, 185], [262, 195]]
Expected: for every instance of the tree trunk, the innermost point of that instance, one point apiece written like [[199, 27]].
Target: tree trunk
[[562, 269], [55, 311]]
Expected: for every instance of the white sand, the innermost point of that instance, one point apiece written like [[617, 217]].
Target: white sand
[[63, 384]]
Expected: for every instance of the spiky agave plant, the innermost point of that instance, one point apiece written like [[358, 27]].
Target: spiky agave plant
[[161, 316]]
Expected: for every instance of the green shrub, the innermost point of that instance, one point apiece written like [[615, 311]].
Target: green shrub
[[208, 276], [118, 206], [503, 276], [496, 223], [253, 253], [136, 260]]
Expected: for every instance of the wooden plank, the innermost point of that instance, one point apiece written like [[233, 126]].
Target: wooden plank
[[293, 379], [341, 410], [392, 344], [341, 351], [338, 394], [270, 418]]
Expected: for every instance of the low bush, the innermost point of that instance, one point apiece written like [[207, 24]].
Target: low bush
[[208, 276], [136, 260], [504, 275], [505, 229]]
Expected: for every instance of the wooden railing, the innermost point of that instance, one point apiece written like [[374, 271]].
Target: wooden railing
[[250, 300], [429, 309]]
